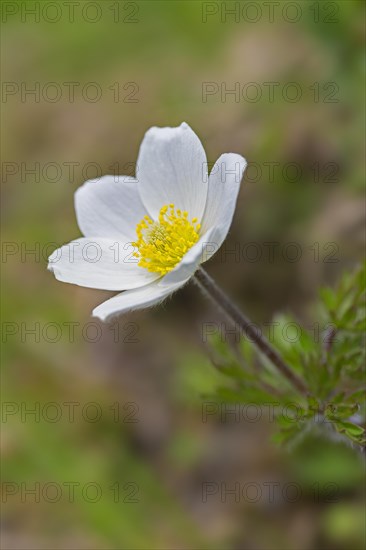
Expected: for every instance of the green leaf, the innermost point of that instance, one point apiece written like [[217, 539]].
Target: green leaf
[[329, 298]]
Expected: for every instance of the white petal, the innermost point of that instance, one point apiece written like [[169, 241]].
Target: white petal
[[199, 253], [172, 168], [99, 263], [223, 189], [109, 207], [140, 298]]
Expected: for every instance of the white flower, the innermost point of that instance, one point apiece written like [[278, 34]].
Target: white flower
[[147, 236]]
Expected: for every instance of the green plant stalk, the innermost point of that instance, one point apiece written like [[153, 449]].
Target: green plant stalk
[[237, 317]]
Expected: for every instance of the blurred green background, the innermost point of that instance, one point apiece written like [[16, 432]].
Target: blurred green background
[[150, 62]]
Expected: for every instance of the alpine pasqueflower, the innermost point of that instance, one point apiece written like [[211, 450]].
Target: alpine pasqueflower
[[148, 235]]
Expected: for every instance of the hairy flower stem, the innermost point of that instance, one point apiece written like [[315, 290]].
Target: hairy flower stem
[[208, 285]]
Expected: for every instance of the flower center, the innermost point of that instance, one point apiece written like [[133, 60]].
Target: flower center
[[162, 244]]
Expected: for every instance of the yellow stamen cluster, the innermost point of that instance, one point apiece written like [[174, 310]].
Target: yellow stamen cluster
[[162, 244]]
